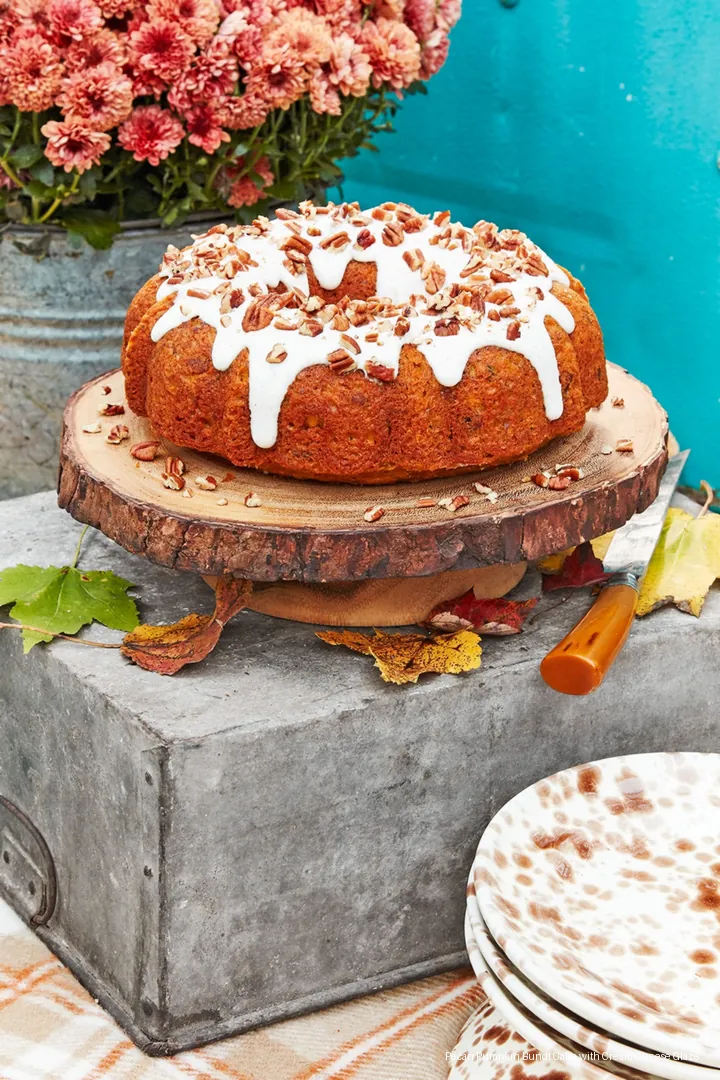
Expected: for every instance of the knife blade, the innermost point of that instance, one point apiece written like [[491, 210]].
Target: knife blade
[[632, 545], [580, 662]]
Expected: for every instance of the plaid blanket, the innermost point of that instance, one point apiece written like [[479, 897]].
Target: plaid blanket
[[51, 1029]]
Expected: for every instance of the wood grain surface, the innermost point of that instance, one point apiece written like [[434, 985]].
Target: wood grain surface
[[308, 531]]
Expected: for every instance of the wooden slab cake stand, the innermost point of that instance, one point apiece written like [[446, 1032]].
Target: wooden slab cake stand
[[307, 546]]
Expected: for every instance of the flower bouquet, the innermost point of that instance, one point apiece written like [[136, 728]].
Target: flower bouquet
[[113, 110]]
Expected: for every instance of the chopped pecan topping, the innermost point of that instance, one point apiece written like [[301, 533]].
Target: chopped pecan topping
[[112, 410], [145, 451], [199, 294], [276, 355], [508, 311], [393, 234], [341, 361], [442, 218], [500, 275], [374, 513], [207, 483], [414, 258], [541, 479], [337, 242], [454, 504], [260, 313], [624, 446], [365, 239], [513, 331], [402, 327], [252, 500], [117, 434], [425, 504], [311, 328], [340, 321], [297, 244], [475, 263], [618, 403], [433, 276], [494, 314], [499, 296], [175, 483], [350, 343], [174, 466], [106, 390], [237, 298], [559, 483], [375, 370], [447, 327], [92, 429], [281, 323]]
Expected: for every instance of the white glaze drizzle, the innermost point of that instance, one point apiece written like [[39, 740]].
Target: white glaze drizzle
[[447, 355]]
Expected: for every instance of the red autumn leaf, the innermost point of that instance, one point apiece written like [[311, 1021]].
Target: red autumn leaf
[[579, 569], [491, 616], [167, 649]]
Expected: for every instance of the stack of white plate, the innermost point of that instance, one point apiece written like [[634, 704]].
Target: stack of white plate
[[593, 924]]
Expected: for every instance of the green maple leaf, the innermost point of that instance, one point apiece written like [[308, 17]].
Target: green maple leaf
[[63, 599]]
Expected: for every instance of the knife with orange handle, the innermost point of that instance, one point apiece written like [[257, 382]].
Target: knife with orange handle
[[582, 660]]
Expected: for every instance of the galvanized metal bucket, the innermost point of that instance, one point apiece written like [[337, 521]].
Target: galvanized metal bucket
[[62, 309]]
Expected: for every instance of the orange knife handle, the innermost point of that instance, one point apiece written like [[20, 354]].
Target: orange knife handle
[[581, 661]]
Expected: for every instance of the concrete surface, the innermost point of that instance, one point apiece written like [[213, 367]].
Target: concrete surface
[[276, 829]]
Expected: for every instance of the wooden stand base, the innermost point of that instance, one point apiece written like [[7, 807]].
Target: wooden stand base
[[271, 529], [388, 602]]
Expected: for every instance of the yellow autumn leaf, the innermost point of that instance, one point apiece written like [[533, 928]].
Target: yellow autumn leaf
[[403, 658], [684, 565], [553, 564]]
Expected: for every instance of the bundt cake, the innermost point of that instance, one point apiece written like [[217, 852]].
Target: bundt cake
[[365, 346]]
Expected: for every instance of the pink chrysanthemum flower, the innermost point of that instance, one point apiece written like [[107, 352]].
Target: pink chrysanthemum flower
[[31, 17], [204, 130], [114, 9], [100, 48], [9, 16], [245, 192], [434, 53], [198, 18], [72, 145], [74, 19], [279, 77], [101, 97], [324, 98], [348, 67], [449, 12], [394, 52], [389, 9], [151, 133], [302, 33], [33, 71], [161, 49], [241, 113], [420, 17], [213, 74]]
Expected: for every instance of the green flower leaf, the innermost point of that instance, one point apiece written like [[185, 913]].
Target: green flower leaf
[[44, 172], [25, 156], [63, 599], [92, 225]]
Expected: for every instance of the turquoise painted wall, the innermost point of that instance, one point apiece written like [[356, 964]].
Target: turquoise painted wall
[[594, 125]]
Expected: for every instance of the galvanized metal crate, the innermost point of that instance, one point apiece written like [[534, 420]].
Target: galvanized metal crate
[[275, 830]]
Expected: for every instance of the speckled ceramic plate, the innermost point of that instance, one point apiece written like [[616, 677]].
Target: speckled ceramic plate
[[488, 1049], [602, 886], [584, 1038], [509, 1035]]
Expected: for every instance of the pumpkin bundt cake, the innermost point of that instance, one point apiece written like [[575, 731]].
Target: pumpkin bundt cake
[[338, 344]]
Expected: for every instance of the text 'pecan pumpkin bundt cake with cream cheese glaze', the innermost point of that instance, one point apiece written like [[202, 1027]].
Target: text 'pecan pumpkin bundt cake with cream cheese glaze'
[[357, 346]]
